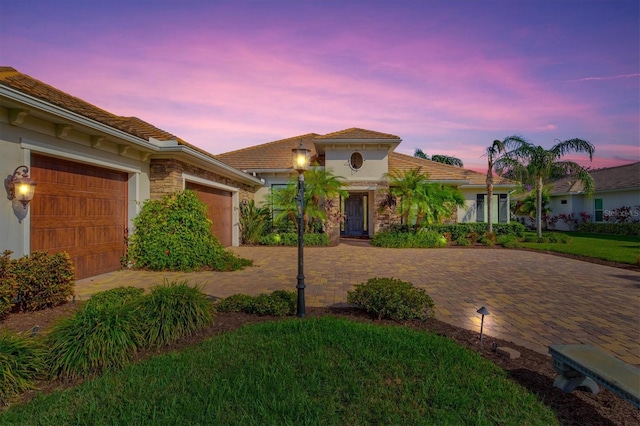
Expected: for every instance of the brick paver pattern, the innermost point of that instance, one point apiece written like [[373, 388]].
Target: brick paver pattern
[[534, 299]]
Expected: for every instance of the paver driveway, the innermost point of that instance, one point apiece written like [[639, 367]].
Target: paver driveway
[[534, 299]]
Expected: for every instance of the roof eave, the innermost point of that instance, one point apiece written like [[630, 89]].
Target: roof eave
[[49, 108]]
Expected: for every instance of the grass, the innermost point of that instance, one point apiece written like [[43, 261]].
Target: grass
[[614, 248], [320, 371]]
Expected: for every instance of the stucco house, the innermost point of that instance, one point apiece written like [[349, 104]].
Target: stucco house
[[615, 187], [94, 169], [363, 158]]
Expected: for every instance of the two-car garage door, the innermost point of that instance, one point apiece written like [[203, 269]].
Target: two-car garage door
[[80, 209]]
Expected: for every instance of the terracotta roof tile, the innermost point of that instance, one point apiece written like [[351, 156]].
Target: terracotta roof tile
[[439, 171], [620, 177], [14, 79], [271, 155], [355, 133]]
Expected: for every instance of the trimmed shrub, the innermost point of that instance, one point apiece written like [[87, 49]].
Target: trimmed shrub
[[277, 303], [43, 280], [393, 299], [236, 303], [8, 284], [464, 242], [458, 230], [421, 239], [21, 362], [547, 237], [632, 229], [291, 239], [508, 241], [96, 338], [172, 311], [174, 233]]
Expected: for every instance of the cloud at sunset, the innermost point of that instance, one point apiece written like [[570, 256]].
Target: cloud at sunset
[[448, 78]]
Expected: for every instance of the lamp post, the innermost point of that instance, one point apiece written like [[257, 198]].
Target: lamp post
[[301, 160], [482, 311]]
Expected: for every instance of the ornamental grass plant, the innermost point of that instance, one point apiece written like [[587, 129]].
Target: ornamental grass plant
[[96, 338], [21, 362], [172, 311]]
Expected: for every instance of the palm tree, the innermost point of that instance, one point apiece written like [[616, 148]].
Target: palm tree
[[320, 185], [535, 165], [436, 202], [405, 186], [445, 159], [419, 198], [527, 205], [493, 153]]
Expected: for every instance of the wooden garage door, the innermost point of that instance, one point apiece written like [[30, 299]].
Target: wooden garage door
[[219, 210], [79, 209]]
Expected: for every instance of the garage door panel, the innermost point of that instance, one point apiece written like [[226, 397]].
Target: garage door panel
[[56, 239], [56, 206], [219, 210], [101, 235], [80, 209]]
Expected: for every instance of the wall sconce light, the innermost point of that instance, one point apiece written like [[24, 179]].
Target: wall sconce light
[[482, 311], [21, 186]]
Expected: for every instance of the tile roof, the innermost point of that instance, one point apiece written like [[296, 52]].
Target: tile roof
[[355, 133], [271, 155], [610, 178], [441, 172], [14, 79]]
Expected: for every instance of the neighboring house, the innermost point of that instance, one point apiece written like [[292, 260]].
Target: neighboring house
[[93, 171], [615, 187], [363, 158]]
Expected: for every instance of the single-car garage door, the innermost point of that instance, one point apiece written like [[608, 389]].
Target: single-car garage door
[[80, 209], [219, 210]]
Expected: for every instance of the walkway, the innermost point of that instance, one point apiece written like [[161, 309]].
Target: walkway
[[534, 299]]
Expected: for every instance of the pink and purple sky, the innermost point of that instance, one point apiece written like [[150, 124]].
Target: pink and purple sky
[[448, 77]]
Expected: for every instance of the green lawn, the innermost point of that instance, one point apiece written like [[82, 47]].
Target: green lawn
[[320, 371], [616, 248]]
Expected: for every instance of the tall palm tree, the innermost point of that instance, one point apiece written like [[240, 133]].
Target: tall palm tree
[[445, 159], [493, 153], [535, 165]]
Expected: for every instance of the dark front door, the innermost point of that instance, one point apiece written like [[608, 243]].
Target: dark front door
[[354, 215]]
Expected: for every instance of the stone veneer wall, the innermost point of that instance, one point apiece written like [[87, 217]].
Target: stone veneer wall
[[165, 177]]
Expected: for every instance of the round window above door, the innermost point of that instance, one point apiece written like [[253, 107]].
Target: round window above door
[[356, 161]]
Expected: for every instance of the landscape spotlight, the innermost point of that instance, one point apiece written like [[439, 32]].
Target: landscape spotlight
[[482, 311]]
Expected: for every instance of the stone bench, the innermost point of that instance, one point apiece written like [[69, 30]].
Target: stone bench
[[588, 366]]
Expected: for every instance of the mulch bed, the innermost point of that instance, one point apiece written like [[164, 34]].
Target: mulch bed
[[532, 369]]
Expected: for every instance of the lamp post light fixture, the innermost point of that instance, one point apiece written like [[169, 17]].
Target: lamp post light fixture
[[482, 311], [301, 160], [21, 186]]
